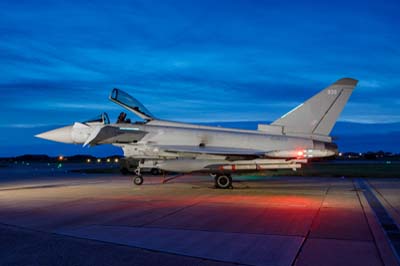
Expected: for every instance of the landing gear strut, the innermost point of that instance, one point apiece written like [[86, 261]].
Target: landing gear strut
[[138, 178], [223, 181]]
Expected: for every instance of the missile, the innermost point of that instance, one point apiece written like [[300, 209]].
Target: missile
[[188, 165], [301, 153]]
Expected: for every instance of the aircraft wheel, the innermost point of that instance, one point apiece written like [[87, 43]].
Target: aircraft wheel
[[138, 180], [213, 175], [223, 181]]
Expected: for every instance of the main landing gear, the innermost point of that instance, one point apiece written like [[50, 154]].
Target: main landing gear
[[223, 181]]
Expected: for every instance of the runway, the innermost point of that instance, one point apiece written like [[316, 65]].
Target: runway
[[103, 219]]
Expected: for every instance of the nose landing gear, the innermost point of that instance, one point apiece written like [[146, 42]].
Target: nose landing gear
[[137, 178]]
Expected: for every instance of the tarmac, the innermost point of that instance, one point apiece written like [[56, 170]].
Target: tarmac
[[63, 218]]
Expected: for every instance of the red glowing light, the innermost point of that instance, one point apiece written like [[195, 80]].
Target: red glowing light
[[300, 153]]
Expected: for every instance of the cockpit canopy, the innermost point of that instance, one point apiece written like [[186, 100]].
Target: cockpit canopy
[[128, 102], [100, 119]]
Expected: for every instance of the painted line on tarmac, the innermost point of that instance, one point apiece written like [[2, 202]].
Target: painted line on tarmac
[[389, 226]]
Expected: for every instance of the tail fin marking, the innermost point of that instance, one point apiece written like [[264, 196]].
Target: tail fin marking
[[318, 115]]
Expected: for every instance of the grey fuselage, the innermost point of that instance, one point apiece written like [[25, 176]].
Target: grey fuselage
[[165, 133]]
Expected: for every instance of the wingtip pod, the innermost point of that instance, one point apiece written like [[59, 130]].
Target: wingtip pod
[[346, 81]]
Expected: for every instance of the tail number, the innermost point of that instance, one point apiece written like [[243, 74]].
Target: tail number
[[332, 92]]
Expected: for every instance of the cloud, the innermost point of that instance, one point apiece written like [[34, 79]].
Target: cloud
[[63, 107], [35, 125], [237, 61]]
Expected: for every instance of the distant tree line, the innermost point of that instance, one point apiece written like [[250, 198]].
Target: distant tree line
[[47, 159], [370, 155]]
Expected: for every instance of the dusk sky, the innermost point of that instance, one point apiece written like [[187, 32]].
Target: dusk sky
[[197, 61]]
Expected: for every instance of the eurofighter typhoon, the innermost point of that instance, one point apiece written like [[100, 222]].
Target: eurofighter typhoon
[[286, 143]]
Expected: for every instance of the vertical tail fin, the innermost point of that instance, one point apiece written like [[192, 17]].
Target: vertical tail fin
[[318, 115]]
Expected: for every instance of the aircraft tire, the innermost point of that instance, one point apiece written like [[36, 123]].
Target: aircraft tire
[[223, 181], [138, 180]]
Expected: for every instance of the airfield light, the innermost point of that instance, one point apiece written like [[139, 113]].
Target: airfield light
[[116, 160], [108, 160], [99, 160], [88, 160], [340, 154], [360, 154], [60, 158]]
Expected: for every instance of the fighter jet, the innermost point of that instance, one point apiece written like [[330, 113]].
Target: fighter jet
[[287, 143]]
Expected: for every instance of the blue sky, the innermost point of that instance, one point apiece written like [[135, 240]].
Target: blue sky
[[199, 61]]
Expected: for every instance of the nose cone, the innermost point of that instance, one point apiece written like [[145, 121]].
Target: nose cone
[[62, 134]]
